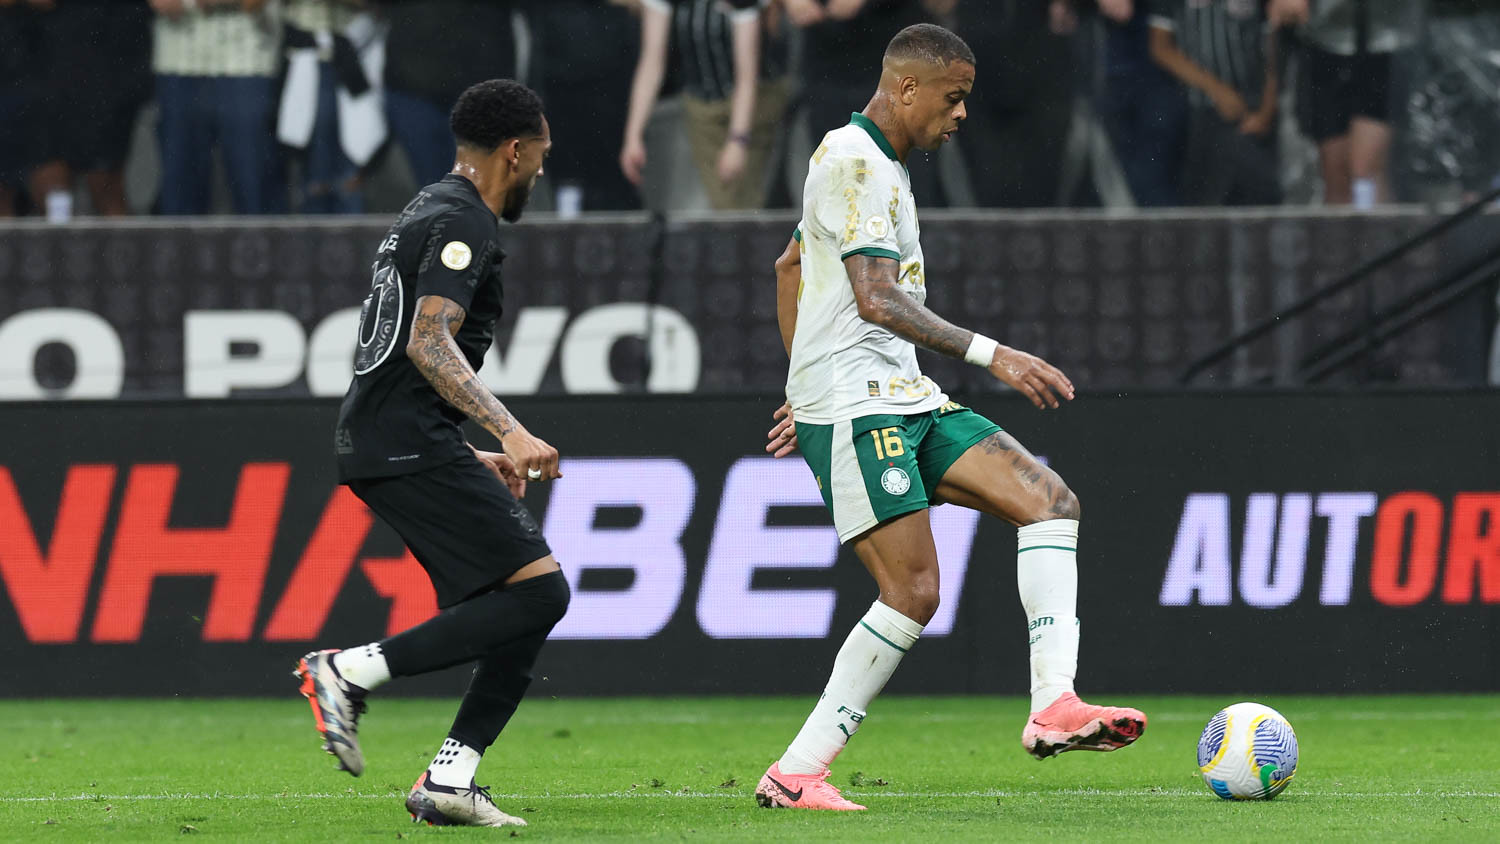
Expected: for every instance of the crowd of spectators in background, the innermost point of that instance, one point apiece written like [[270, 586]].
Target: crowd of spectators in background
[[284, 106]]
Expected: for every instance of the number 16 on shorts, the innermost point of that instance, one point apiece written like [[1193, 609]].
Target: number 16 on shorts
[[887, 442], [866, 469], [895, 479]]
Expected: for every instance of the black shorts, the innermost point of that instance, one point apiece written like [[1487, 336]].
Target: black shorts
[[460, 522], [88, 97], [1335, 89], [1224, 166]]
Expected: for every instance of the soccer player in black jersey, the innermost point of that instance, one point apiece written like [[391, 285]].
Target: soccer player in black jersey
[[426, 324]]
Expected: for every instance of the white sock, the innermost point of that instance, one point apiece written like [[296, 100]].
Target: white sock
[[864, 664], [454, 765], [1047, 576], [363, 666]]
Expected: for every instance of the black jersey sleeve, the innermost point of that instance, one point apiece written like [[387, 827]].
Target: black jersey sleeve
[[459, 249]]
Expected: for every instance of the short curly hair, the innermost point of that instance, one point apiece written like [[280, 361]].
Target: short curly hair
[[492, 112]]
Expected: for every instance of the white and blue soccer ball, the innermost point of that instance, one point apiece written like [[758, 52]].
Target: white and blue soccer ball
[[1247, 752]]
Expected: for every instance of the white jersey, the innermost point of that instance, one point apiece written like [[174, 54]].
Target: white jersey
[[857, 201]]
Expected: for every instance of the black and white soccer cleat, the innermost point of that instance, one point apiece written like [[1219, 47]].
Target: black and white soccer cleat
[[440, 805], [336, 705]]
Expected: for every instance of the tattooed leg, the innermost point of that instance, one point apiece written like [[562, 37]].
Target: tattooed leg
[[1000, 477]]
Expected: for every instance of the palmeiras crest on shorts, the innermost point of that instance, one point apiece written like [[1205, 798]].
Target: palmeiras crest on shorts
[[895, 481], [379, 319]]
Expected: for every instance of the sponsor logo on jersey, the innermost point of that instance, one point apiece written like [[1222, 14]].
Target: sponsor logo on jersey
[[457, 255]]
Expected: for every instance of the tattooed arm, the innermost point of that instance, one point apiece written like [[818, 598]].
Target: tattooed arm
[[882, 302], [437, 356]]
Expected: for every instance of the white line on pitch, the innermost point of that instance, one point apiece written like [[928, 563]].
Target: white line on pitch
[[737, 794]]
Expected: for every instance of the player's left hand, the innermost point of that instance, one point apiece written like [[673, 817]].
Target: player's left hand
[[1034, 377], [504, 469], [783, 437]]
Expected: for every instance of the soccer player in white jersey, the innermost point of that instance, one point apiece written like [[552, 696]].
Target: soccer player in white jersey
[[885, 443]]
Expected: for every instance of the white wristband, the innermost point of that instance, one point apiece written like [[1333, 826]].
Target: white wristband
[[981, 351]]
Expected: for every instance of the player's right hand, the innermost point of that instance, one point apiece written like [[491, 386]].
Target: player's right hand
[[783, 437], [534, 459], [504, 469], [1037, 379]]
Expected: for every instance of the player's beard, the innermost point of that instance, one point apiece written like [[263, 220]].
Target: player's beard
[[515, 203]]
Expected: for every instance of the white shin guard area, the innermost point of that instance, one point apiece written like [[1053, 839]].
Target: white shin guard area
[[864, 664], [1047, 578]]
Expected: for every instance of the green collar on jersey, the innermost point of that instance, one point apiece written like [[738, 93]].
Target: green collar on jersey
[[865, 123]]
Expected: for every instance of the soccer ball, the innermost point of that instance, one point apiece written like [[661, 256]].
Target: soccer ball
[[1247, 752]]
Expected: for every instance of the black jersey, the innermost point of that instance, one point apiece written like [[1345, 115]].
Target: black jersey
[[445, 243]]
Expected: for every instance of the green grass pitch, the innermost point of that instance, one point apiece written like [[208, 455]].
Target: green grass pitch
[[1399, 767]]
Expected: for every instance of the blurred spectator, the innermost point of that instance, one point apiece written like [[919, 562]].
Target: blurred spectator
[[215, 63], [1450, 119], [583, 54], [1344, 104], [330, 106], [16, 70], [1141, 107], [94, 57], [734, 100], [436, 49], [843, 44], [1020, 110], [1223, 51]]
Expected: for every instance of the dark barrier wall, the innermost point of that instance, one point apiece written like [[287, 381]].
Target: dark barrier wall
[[1250, 544], [212, 309]]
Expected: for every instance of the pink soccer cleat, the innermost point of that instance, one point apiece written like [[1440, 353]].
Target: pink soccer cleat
[[1071, 724], [800, 791]]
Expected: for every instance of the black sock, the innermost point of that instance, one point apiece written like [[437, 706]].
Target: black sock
[[481, 625], [501, 678]]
